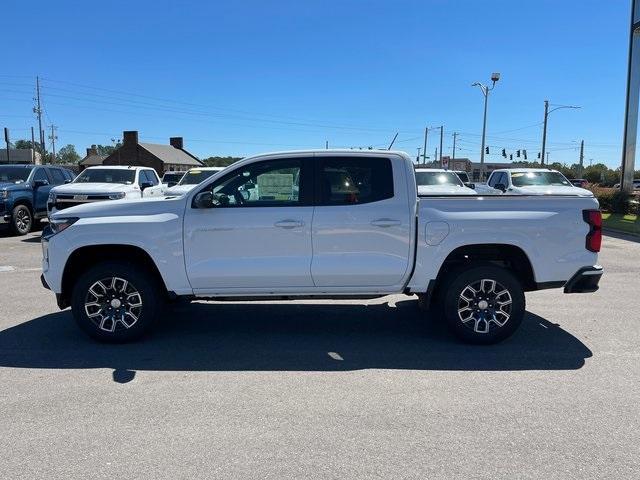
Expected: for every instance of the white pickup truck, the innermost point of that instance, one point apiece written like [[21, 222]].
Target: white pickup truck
[[319, 224], [99, 183]]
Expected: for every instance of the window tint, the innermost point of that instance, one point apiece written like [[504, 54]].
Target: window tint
[[348, 181], [269, 183], [57, 176], [40, 174]]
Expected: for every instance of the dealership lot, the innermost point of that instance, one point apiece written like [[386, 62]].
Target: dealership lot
[[316, 389]]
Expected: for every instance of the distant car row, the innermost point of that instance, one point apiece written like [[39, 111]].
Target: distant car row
[[511, 181]]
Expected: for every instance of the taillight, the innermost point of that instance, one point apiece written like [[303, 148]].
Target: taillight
[[594, 237]]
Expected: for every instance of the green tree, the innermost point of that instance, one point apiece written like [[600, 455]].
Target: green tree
[[105, 150], [27, 144], [219, 161], [67, 155]]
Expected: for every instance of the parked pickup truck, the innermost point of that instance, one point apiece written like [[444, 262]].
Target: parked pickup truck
[[319, 224], [100, 183], [23, 193]]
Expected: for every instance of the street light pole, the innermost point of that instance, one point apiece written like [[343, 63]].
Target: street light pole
[[485, 91], [547, 112]]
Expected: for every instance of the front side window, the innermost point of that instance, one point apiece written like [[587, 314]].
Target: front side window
[[349, 181], [149, 176], [107, 175], [40, 175], [437, 178], [493, 179], [528, 179], [270, 183]]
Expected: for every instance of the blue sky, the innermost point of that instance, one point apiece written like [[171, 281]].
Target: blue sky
[[236, 78]]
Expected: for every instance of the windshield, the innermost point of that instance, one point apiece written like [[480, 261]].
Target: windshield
[[194, 177], [172, 177], [437, 178], [14, 175], [528, 179], [105, 175]]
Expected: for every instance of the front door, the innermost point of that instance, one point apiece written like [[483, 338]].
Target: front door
[[362, 223], [42, 185], [258, 237]]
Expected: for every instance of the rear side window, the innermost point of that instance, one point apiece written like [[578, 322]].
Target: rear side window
[[57, 176], [349, 181], [150, 176]]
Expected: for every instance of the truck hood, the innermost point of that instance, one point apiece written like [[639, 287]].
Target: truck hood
[[179, 189], [552, 190], [444, 190], [88, 188], [124, 208]]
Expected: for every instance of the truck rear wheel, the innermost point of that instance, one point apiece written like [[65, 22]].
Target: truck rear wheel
[[116, 302], [483, 304], [21, 220]]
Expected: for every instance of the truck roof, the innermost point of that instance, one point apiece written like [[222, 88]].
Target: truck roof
[[341, 151], [118, 167], [523, 170]]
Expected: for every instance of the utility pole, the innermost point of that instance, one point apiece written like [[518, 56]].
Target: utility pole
[[424, 155], [38, 111], [436, 156], [33, 147], [53, 139], [441, 133], [453, 155], [6, 139], [544, 129], [547, 158], [326, 145], [485, 91], [581, 156]]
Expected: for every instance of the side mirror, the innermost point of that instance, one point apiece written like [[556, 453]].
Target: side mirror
[[40, 183], [68, 181], [203, 200], [501, 186], [144, 185], [472, 186], [171, 184]]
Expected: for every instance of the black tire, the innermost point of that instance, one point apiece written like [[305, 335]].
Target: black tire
[[21, 220], [499, 320], [126, 322]]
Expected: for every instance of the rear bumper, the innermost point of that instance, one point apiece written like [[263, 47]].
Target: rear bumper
[[585, 280]]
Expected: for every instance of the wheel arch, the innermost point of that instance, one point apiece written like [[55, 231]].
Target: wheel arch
[[83, 258], [505, 255]]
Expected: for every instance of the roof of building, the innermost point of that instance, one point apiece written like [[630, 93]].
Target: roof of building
[[93, 159], [171, 155]]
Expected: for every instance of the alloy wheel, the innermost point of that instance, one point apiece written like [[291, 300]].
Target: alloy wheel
[[112, 304], [484, 305]]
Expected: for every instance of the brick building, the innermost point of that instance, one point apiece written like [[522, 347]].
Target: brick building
[[162, 158]]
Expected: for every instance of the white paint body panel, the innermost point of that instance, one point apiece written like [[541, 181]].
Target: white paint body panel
[[369, 249]]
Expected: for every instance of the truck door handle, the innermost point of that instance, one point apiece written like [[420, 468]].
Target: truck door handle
[[386, 223], [289, 223]]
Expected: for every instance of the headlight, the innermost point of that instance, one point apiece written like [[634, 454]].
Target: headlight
[[59, 224], [116, 196], [52, 197], [4, 194]]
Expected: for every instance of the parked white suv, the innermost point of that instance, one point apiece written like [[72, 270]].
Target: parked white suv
[[533, 181], [192, 178], [101, 183], [437, 181]]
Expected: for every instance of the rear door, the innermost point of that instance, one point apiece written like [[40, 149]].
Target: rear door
[[362, 222]]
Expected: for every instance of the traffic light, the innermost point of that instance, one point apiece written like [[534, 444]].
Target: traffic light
[[504, 153], [511, 156], [518, 153], [486, 150], [524, 152], [538, 155]]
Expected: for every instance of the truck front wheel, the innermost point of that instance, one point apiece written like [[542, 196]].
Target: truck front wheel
[[483, 304], [21, 220], [116, 302]]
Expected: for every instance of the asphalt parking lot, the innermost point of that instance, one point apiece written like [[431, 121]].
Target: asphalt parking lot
[[322, 389]]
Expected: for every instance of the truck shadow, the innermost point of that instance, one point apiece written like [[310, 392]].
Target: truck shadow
[[289, 337]]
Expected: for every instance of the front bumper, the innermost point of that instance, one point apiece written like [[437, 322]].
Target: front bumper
[[585, 280]]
